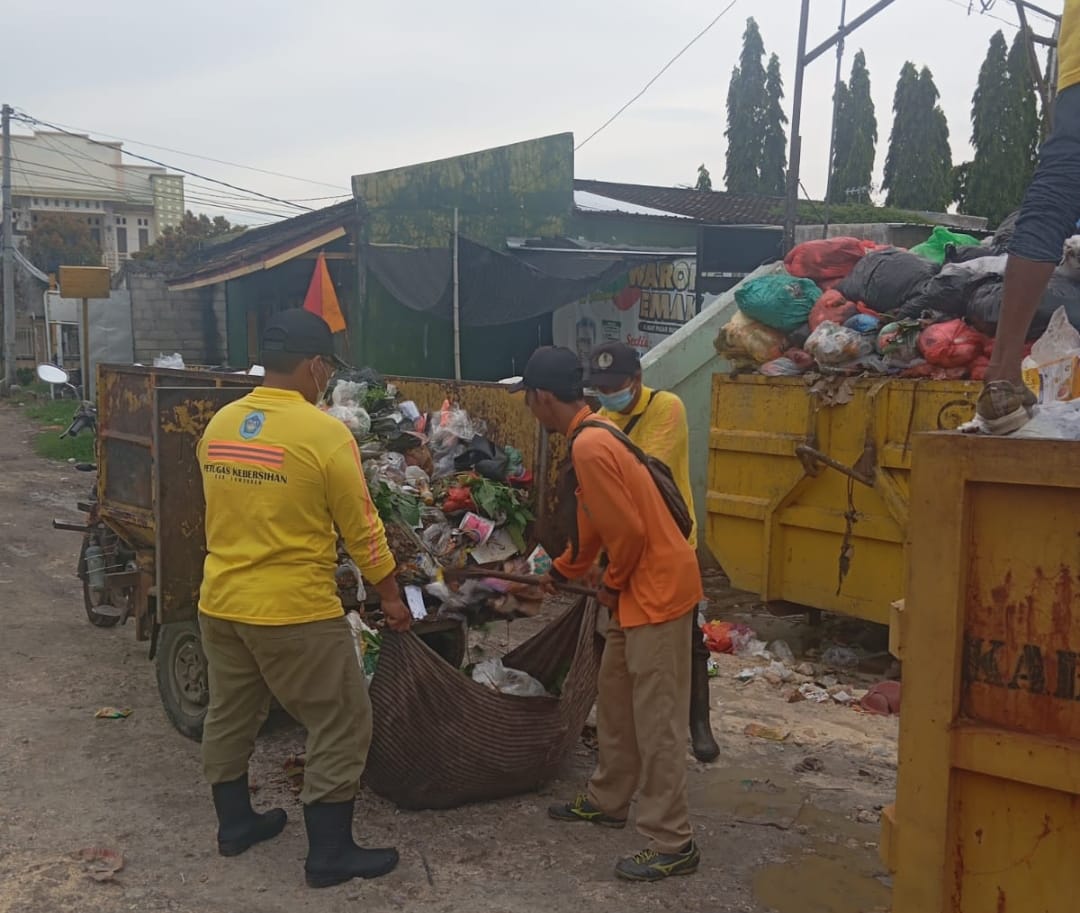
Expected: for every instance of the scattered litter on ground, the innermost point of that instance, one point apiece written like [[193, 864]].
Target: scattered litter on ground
[[883, 698], [839, 657], [813, 693], [782, 652], [809, 764], [761, 731], [100, 863], [294, 772], [112, 713]]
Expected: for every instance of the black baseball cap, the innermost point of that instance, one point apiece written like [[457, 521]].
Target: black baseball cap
[[299, 332], [613, 362], [551, 368]]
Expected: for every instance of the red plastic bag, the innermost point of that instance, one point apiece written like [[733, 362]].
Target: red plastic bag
[[952, 344], [832, 307], [831, 258], [978, 368], [718, 636]]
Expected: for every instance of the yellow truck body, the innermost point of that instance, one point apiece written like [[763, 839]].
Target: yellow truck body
[[807, 501]]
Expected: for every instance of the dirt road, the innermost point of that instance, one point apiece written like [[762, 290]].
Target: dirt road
[[772, 838]]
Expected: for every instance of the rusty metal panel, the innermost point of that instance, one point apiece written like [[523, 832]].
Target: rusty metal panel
[[181, 417], [988, 793]]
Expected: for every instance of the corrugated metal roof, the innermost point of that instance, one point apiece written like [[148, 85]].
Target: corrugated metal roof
[[711, 206]]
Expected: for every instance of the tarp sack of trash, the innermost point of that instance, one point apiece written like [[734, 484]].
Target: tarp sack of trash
[[449, 497], [845, 306]]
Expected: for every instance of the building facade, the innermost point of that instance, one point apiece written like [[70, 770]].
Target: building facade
[[125, 206]]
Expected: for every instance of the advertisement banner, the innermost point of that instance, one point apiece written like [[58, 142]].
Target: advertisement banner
[[649, 304]]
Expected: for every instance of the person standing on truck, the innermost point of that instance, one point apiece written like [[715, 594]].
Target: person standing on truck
[[279, 476], [655, 420], [1047, 217], [652, 588]]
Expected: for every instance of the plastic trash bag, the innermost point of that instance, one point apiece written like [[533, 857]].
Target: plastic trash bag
[[832, 344], [744, 337], [863, 323], [1052, 370], [885, 279], [825, 259], [933, 248], [952, 344], [898, 342], [454, 426], [494, 675], [174, 361], [353, 417], [832, 307], [781, 367], [779, 301]]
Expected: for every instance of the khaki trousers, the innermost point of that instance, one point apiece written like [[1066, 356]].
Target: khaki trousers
[[313, 672], [641, 713]]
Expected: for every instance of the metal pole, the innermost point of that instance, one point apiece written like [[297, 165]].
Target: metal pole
[[792, 205], [8, 256], [835, 110], [457, 305], [84, 349]]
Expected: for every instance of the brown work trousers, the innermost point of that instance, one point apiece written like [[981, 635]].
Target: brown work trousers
[[641, 713], [313, 671]]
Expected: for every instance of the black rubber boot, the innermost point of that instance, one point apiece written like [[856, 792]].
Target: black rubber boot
[[239, 825], [333, 857], [701, 734]]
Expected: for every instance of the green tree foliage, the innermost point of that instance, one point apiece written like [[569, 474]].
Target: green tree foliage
[[59, 239], [856, 137], [704, 179], [773, 177], [918, 167], [182, 243], [1004, 133], [746, 105]]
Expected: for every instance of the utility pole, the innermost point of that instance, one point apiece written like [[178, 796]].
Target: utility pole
[[8, 258], [804, 59]]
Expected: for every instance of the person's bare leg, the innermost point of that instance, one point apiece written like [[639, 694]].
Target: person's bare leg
[[1025, 283]]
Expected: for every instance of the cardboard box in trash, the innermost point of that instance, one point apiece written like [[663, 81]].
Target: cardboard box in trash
[[1055, 381]]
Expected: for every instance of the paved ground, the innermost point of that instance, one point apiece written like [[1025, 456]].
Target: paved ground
[[772, 838]]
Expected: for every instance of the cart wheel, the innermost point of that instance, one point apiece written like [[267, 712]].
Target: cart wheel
[[100, 613], [181, 677]]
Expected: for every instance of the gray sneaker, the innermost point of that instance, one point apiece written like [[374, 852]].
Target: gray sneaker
[[1004, 407]]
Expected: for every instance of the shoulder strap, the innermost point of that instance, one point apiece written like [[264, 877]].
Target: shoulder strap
[[632, 424], [611, 429]]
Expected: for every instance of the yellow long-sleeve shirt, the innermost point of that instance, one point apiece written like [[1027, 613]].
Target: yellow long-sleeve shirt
[[662, 432], [278, 475]]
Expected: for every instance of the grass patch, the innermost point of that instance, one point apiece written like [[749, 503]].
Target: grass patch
[[54, 415]]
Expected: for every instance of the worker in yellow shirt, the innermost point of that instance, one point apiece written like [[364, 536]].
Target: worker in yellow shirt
[[281, 478], [655, 420]]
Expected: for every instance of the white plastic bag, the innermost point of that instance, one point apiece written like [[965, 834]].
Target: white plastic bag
[[1052, 367], [176, 361], [834, 345], [493, 674], [354, 418]]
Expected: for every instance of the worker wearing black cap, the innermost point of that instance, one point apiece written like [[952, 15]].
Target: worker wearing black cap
[[279, 476], [655, 420]]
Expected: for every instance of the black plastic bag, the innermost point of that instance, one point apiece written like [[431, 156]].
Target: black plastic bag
[[485, 457], [984, 308], [884, 279]]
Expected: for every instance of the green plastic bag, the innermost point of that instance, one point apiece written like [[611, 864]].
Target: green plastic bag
[[779, 301], [933, 248]]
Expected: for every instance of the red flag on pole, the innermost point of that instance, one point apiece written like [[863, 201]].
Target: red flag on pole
[[321, 298]]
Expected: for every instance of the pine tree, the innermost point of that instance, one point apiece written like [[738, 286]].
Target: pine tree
[[773, 175], [988, 189], [918, 167], [746, 104], [704, 179], [1024, 123], [856, 137]]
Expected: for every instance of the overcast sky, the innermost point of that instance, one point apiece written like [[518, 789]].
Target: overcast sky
[[325, 89]]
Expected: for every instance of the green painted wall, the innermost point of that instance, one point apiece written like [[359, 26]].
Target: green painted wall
[[524, 189]]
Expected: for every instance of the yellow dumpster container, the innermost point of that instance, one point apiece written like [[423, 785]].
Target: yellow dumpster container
[[807, 501], [987, 817]]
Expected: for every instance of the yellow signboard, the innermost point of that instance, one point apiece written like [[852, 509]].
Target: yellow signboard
[[84, 281]]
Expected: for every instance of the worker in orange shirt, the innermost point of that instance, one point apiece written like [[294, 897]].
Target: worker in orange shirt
[[655, 420], [651, 587]]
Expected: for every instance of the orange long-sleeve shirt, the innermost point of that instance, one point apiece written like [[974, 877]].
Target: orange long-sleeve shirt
[[621, 511]]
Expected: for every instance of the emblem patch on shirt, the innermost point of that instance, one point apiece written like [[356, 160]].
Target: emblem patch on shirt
[[252, 426]]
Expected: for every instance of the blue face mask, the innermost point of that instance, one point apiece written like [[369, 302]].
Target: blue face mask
[[617, 402]]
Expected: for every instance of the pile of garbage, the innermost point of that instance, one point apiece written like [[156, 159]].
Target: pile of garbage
[[449, 497], [844, 306]]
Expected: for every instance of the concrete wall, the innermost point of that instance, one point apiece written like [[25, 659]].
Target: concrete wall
[[163, 322]]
